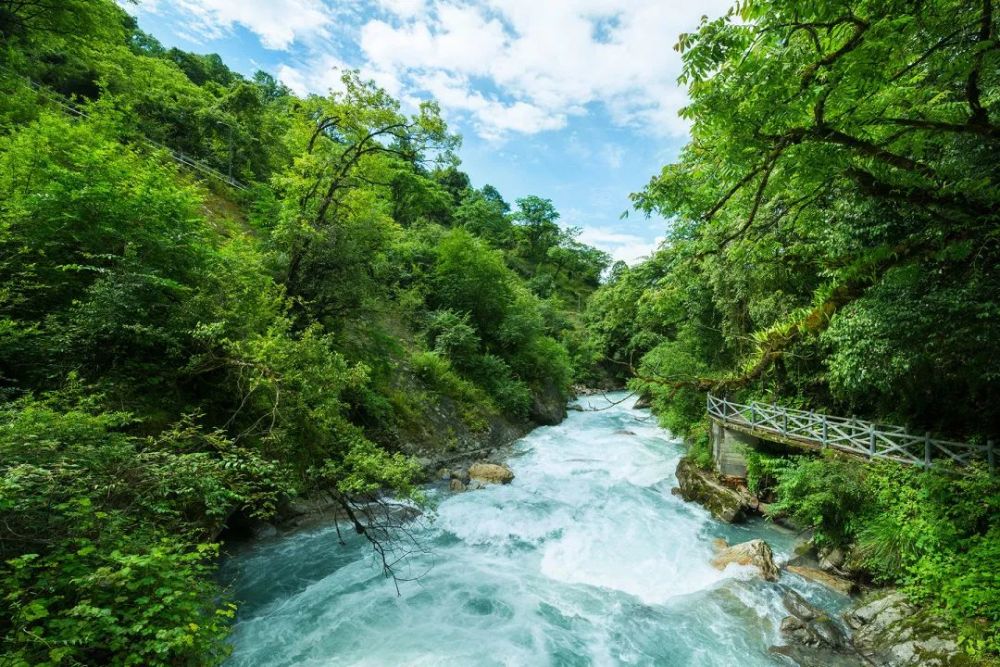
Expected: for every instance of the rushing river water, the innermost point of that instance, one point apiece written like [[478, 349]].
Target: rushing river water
[[585, 559]]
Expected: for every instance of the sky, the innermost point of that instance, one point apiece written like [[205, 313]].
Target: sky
[[573, 100]]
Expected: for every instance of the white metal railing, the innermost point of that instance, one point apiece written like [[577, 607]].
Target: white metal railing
[[868, 439]]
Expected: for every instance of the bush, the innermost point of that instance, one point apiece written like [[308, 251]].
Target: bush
[[437, 373], [492, 373], [826, 494], [936, 534], [764, 471], [700, 448]]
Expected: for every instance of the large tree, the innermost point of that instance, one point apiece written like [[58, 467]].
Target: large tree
[[842, 169]]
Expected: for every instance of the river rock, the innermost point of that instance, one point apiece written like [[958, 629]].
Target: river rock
[[754, 552], [813, 639], [831, 559], [461, 474], [831, 581], [644, 402], [456, 485], [797, 605], [890, 632], [821, 631], [490, 473], [701, 486], [548, 405]]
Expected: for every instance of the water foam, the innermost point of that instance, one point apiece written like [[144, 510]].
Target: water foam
[[586, 558]]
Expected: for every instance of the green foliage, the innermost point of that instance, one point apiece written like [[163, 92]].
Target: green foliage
[[764, 471], [933, 533], [102, 535], [176, 352], [833, 245], [115, 602], [822, 493], [700, 446]]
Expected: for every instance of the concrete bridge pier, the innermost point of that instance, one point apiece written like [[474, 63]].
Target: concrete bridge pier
[[728, 450]]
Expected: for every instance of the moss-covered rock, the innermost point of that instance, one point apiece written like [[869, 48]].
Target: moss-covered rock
[[701, 486], [891, 632]]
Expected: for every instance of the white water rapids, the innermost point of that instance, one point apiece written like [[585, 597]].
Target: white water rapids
[[585, 559]]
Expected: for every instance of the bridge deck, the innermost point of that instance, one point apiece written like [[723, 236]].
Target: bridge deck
[[810, 430]]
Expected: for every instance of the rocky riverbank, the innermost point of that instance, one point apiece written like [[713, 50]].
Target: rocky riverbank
[[444, 447], [882, 628]]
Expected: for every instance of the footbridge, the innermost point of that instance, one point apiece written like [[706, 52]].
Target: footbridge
[[736, 425]]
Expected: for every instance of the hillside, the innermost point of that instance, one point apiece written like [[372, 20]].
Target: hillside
[[217, 296]]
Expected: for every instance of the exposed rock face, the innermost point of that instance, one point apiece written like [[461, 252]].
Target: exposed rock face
[[755, 552], [892, 633], [831, 581], [797, 606], [701, 486], [832, 559], [548, 406], [813, 638], [490, 473]]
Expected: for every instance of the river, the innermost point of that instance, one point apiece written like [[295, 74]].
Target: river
[[585, 559]]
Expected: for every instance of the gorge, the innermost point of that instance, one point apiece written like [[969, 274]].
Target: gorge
[[585, 558]]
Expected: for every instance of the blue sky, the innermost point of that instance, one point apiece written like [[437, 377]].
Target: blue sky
[[574, 100]]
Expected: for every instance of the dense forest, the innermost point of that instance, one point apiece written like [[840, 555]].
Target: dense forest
[[217, 295], [834, 245]]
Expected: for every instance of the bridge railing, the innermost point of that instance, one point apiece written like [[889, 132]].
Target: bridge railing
[[854, 436]]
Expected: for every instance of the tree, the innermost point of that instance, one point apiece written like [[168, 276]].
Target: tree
[[833, 146], [353, 140], [537, 227]]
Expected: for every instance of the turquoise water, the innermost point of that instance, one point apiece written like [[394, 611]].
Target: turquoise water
[[585, 559]]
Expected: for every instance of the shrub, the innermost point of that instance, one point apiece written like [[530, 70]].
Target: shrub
[[826, 494]]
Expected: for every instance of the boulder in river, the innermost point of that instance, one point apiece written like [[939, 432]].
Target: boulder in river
[[831, 581], [456, 485], [797, 605], [701, 486], [813, 639], [490, 473], [890, 632], [831, 559], [755, 552], [548, 405], [644, 402]]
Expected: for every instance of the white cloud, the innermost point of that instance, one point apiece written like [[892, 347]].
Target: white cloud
[[509, 66], [491, 118], [321, 76], [404, 8], [629, 248], [542, 61], [278, 23], [614, 155]]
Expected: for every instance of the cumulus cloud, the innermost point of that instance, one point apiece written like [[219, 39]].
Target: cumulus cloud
[[628, 248], [321, 75], [509, 66], [278, 23], [546, 58]]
